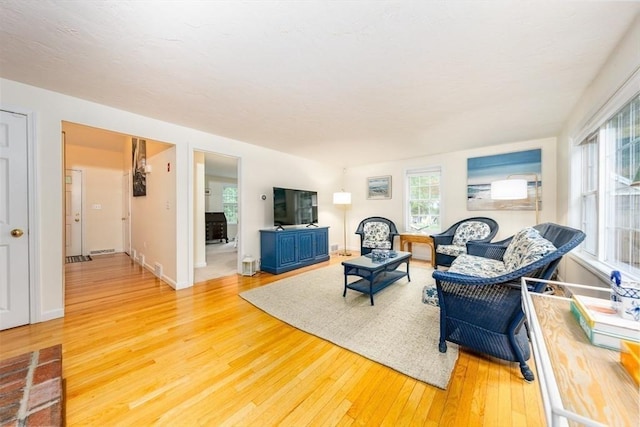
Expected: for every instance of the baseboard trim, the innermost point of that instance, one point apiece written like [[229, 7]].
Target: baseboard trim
[[51, 314]]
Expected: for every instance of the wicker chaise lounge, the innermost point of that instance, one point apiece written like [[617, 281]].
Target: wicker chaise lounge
[[479, 296]]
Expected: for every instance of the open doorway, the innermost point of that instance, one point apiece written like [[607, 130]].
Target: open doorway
[[216, 216], [101, 207]]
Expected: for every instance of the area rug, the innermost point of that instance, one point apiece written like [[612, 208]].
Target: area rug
[[399, 331], [78, 258]]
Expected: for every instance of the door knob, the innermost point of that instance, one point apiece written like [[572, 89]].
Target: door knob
[[77, 219], [16, 232]]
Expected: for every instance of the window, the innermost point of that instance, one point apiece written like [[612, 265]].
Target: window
[[610, 204], [423, 200], [589, 194], [230, 203]]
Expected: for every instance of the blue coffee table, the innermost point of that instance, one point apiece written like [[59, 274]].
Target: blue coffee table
[[374, 275]]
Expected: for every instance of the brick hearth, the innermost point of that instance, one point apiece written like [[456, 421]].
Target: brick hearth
[[31, 389]]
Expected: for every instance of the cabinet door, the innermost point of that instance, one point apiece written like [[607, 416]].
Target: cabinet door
[[306, 246], [322, 243], [286, 249]]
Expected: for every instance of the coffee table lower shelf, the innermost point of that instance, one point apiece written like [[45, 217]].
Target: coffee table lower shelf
[[380, 282]]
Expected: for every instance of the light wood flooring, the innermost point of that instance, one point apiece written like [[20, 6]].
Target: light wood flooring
[[137, 353]]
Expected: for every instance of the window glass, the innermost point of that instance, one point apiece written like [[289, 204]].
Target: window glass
[[590, 194], [610, 169], [230, 203], [423, 201]]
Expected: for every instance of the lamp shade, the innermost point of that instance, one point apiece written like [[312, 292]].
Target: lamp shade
[[342, 198], [509, 189]]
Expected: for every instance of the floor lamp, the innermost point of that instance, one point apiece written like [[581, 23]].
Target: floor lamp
[[344, 199], [515, 189]]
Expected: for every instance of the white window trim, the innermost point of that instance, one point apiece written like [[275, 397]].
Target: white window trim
[[405, 205], [627, 91], [615, 102]]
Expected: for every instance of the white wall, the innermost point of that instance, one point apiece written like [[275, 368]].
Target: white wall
[[616, 82], [101, 185], [260, 170], [199, 225], [153, 218], [454, 190]]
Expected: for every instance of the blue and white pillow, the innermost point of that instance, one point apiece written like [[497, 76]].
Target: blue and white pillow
[[526, 247], [470, 230], [430, 296]]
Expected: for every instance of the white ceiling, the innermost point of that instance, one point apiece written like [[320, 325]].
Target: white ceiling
[[348, 82]]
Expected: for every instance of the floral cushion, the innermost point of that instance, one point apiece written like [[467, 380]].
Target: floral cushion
[[451, 250], [430, 296], [376, 235], [470, 230], [527, 246], [471, 265]]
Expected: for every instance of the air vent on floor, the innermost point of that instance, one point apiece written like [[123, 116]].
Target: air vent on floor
[[102, 251]]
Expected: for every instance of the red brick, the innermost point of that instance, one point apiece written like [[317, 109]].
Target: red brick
[[9, 369], [21, 359], [45, 397], [7, 387], [14, 376], [9, 413], [50, 353], [7, 399], [47, 371], [44, 392], [49, 416]]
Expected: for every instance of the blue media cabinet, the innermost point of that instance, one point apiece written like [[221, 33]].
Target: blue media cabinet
[[291, 248]]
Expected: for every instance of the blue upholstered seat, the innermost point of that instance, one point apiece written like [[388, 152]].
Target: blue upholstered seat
[[483, 312], [452, 242], [376, 233]]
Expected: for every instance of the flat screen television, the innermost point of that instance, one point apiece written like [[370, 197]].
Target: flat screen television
[[294, 207]]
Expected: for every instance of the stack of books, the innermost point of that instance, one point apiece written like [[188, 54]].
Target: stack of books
[[602, 324]]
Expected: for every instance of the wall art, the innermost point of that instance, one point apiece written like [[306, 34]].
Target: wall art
[[379, 187], [482, 171], [139, 160]]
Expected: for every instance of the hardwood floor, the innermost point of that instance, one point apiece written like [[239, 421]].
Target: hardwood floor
[[136, 352]]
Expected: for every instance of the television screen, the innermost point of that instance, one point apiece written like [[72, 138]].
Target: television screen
[[294, 207]]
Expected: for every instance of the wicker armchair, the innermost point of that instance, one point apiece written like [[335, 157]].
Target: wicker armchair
[[483, 310], [452, 242], [376, 232]]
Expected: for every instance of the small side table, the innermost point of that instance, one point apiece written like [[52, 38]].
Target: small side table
[[409, 239]]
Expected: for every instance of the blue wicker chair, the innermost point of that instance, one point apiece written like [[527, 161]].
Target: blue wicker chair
[[452, 242], [376, 232], [480, 300]]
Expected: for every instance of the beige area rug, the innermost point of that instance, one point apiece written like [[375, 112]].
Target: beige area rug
[[399, 331]]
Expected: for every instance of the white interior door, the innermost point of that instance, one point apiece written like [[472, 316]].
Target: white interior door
[[73, 212], [14, 218], [126, 213]]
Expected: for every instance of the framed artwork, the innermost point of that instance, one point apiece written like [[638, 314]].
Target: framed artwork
[[379, 187], [482, 171], [139, 163]]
